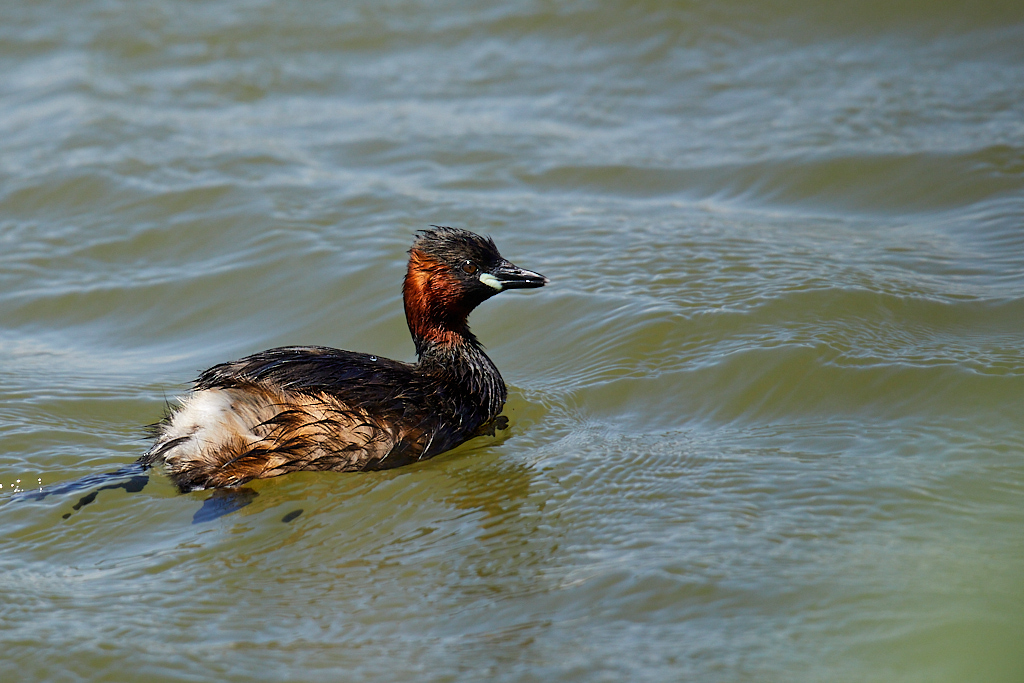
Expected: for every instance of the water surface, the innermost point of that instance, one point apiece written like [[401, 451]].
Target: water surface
[[765, 421]]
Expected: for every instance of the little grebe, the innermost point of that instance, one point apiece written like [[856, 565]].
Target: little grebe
[[316, 408]]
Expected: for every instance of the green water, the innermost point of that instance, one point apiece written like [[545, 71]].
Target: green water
[[766, 420]]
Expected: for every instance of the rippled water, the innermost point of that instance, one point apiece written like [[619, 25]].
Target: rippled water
[[766, 419]]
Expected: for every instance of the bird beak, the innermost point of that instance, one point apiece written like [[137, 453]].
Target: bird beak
[[510, 276]]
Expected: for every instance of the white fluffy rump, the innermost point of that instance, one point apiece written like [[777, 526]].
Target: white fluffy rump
[[207, 421]]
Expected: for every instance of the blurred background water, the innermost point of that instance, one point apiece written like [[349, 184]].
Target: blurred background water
[[766, 421]]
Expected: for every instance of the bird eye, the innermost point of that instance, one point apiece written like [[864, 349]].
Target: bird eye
[[469, 268]]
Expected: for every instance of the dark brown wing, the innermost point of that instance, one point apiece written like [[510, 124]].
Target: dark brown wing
[[392, 392], [305, 408]]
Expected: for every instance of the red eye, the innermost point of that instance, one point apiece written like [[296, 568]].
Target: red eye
[[469, 268]]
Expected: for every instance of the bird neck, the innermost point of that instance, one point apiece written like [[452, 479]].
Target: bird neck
[[470, 377], [435, 307]]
